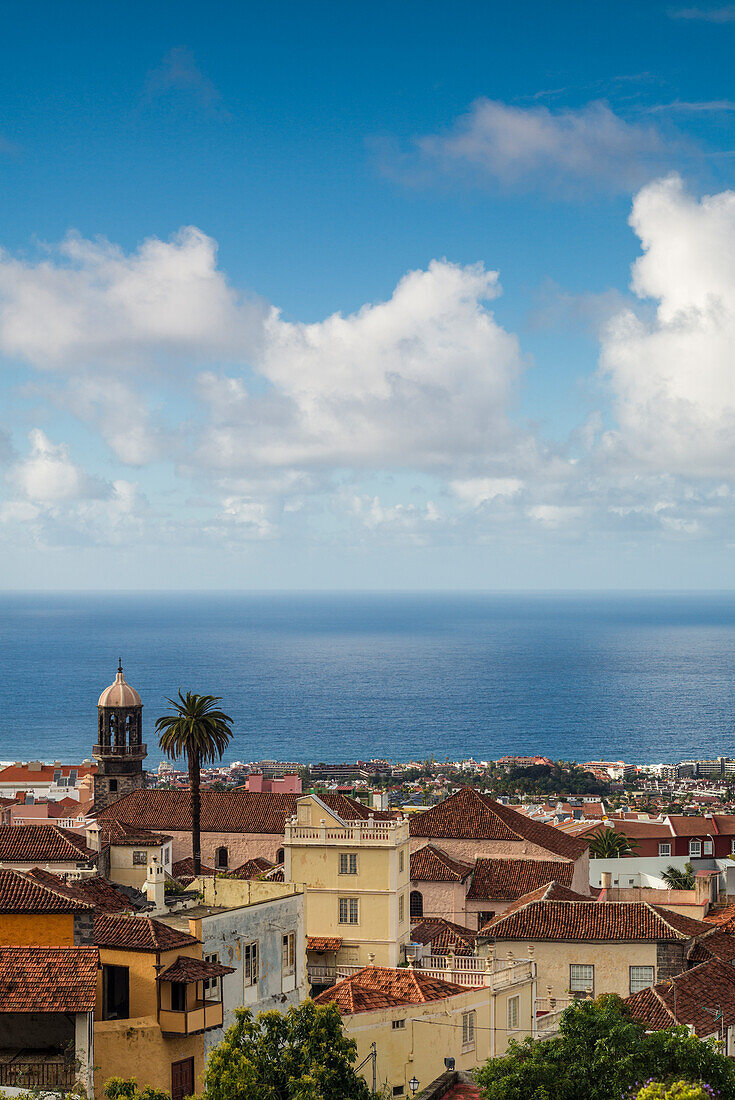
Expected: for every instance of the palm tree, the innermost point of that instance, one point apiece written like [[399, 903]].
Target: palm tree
[[201, 733], [609, 844], [676, 879]]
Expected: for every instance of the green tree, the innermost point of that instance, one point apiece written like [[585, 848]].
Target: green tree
[[300, 1055], [610, 844], [601, 1053], [201, 733], [675, 1090], [676, 879]]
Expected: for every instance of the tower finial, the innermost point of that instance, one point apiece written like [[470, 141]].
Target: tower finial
[[119, 664]]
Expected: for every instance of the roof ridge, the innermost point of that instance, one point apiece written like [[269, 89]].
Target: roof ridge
[[49, 889]]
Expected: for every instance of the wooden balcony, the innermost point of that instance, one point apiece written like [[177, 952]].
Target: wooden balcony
[[45, 1073], [200, 1016]]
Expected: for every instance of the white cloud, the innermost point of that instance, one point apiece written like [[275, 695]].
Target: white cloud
[[476, 491], [673, 375], [550, 149], [554, 515], [373, 514], [104, 308], [422, 380], [251, 515], [48, 475]]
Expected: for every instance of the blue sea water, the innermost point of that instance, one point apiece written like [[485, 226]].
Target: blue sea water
[[315, 676]]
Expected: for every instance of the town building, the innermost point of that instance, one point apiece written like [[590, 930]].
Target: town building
[[357, 879], [119, 750], [23, 847], [284, 784], [125, 852], [48, 781], [702, 998]]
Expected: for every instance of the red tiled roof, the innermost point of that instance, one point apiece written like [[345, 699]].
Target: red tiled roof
[[444, 936], [625, 922], [122, 834], [469, 815], [552, 891], [184, 868], [138, 933], [431, 864], [685, 999], [48, 979], [689, 825], [193, 970], [376, 987], [42, 844], [252, 868], [21, 772], [323, 943], [21, 894], [718, 945], [236, 811], [511, 877], [94, 891]]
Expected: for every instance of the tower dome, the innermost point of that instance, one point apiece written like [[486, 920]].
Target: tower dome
[[119, 693]]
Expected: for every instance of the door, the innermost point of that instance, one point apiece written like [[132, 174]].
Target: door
[[182, 1078]]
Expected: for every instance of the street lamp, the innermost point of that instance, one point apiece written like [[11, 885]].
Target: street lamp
[[413, 1085]]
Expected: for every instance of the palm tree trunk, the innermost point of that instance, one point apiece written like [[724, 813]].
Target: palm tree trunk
[[196, 810]]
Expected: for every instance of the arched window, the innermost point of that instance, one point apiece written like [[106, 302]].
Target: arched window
[[279, 856], [222, 858], [416, 905]]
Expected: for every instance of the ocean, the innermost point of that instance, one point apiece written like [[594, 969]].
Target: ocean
[[318, 676]]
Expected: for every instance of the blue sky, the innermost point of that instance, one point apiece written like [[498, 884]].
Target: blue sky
[[387, 295]]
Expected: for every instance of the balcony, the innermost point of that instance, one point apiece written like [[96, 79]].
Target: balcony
[[119, 750], [30, 1070], [357, 833], [200, 1016]]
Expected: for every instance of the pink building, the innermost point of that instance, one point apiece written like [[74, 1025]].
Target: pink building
[[286, 784]]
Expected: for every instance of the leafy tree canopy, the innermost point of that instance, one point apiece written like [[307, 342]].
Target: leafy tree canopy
[[675, 1090], [300, 1055], [119, 1089], [601, 1053]]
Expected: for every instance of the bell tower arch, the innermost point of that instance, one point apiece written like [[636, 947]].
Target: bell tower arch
[[119, 750]]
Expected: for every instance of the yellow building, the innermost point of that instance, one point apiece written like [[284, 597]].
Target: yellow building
[[407, 1023], [155, 1000], [125, 852], [357, 879]]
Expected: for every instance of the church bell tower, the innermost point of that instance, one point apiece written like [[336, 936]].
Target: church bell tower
[[119, 751]]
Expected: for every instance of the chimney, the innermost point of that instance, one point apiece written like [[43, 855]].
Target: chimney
[[93, 836], [155, 886], [606, 880]]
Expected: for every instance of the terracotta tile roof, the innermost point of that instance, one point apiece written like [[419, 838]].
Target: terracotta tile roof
[[15, 772], [48, 979], [509, 877], [469, 815], [236, 811], [689, 825], [42, 844], [94, 891], [323, 943], [276, 874], [138, 933], [376, 987], [606, 921], [123, 834], [19, 893], [431, 864], [184, 868], [252, 868], [718, 945], [724, 917], [711, 984], [193, 970], [552, 891], [641, 830], [444, 936]]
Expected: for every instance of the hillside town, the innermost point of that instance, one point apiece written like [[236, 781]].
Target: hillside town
[[443, 919]]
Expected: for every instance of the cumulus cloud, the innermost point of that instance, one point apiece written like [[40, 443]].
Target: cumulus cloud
[[422, 380], [48, 475], [564, 149], [90, 303], [672, 375], [476, 491]]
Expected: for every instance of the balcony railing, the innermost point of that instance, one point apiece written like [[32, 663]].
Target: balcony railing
[[356, 832], [41, 1074], [202, 1016], [473, 972], [119, 750]]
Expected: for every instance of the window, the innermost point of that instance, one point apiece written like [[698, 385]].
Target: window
[[222, 857], [167, 855], [348, 913], [513, 1013], [288, 953], [695, 848], [398, 1025], [400, 862], [664, 849], [581, 978], [468, 1029], [416, 905], [484, 917], [178, 997], [399, 1090], [250, 964], [347, 863], [641, 977], [280, 856], [708, 847], [401, 909], [113, 785], [115, 993], [139, 859], [211, 985], [732, 847]]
